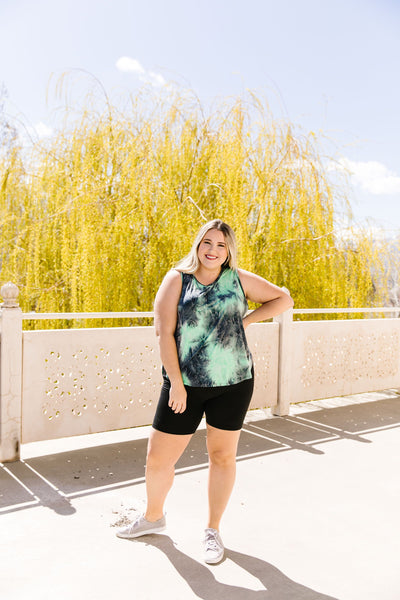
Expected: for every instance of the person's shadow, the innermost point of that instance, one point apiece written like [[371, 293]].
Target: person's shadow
[[203, 583]]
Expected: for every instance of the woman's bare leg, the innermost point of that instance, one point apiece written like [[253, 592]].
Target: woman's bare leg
[[164, 451], [222, 448]]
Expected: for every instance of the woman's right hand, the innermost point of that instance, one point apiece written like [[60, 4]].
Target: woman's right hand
[[177, 398]]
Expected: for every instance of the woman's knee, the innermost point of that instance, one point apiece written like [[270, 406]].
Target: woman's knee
[[156, 459], [221, 457], [222, 446], [164, 451]]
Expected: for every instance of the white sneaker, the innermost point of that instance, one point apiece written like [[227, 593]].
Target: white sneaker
[[142, 527], [213, 547]]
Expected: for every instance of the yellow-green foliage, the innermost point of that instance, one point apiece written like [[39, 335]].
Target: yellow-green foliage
[[93, 220]]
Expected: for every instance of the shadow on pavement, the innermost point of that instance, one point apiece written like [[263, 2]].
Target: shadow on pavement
[[52, 480], [204, 584]]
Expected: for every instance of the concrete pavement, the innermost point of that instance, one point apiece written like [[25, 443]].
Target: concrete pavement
[[314, 514]]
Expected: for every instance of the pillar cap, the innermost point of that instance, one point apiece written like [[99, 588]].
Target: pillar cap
[[10, 292]]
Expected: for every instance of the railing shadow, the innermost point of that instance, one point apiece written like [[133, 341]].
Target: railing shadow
[[205, 585], [54, 480]]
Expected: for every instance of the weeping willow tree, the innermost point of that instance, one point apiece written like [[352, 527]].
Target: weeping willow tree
[[93, 219]]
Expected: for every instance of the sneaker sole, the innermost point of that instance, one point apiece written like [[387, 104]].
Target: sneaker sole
[[140, 533]]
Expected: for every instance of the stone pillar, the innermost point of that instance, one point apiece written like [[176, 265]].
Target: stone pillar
[[10, 374], [285, 362]]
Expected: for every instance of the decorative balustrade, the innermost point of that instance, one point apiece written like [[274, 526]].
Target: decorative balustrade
[[58, 383]]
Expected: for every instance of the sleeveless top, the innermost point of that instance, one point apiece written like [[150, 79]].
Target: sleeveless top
[[210, 338]]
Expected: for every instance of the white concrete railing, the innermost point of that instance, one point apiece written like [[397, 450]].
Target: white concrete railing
[[58, 383]]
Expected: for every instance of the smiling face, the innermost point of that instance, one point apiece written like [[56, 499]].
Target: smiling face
[[213, 250]]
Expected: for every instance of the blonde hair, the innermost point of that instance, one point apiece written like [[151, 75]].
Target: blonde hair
[[190, 263]]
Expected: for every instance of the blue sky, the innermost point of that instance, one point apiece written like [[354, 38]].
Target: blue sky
[[330, 66]]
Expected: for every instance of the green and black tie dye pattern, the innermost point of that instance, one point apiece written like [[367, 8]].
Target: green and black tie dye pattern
[[210, 338]]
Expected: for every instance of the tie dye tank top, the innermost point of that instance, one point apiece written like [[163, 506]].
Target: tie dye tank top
[[210, 338]]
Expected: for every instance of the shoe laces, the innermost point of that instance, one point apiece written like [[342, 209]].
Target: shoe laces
[[135, 523], [211, 541]]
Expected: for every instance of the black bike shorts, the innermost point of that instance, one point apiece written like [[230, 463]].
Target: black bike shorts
[[225, 407]]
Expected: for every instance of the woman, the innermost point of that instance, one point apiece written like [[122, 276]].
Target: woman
[[200, 321]]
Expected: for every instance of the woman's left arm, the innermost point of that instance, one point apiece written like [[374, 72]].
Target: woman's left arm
[[272, 298]]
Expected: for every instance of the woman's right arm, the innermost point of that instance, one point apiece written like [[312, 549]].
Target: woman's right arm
[[165, 318]]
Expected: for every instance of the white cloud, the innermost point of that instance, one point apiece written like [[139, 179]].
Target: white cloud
[[372, 176], [40, 130], [132, 65], [156, 79], [129, 65]]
